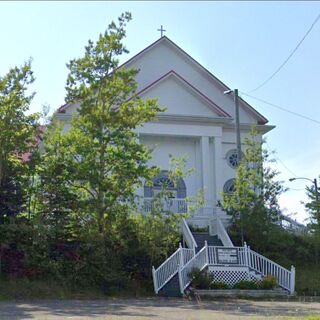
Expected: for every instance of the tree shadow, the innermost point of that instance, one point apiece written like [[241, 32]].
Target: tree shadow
[[151, 308]]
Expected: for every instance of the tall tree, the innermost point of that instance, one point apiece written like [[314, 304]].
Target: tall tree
[[313, 208], [17, 136], [253, 205], [105, 158]]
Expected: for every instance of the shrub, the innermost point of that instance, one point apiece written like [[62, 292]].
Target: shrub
[[218, 285], [200, 279], [199, 229], [269, 282], [245, 284]]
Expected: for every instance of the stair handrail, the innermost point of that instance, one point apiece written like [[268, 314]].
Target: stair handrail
[[223, 234], [200, 261], [188, 236], [166, 270], [265, 266]]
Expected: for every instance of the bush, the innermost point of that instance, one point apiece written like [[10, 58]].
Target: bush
[[197, 229], [200, 279], [269, 282], [218, 285], [245, 284]]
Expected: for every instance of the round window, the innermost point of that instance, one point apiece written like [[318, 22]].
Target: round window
[[232, 158]]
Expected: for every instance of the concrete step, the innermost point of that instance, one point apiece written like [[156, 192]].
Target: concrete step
[[200, 238]]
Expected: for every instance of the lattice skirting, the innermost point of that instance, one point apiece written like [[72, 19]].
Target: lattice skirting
[[230, 275]]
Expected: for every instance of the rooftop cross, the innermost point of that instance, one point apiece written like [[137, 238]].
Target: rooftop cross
[[161, 30]]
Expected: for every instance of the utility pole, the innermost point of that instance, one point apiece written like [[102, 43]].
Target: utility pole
[[316, 189], [238, 143], [237, 121]]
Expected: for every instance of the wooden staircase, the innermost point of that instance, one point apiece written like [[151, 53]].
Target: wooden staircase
[[171, 278]]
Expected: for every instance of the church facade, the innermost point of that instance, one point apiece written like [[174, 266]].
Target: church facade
[[198, 124]]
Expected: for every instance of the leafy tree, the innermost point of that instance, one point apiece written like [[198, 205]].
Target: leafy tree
[[313, 208], [103, 156], [56, 200], [253, 205], [17, 137]]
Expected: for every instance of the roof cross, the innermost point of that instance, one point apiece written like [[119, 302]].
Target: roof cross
[[161, 30]]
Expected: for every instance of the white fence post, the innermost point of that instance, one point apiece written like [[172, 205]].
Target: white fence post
[[246, 260], [245, 254], [207, 253], [155, 282], [180, 280], [292, 279], [181, 256]]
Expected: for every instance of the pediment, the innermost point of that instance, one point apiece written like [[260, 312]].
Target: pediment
[[164, 55], [181, 98], [161, 58]]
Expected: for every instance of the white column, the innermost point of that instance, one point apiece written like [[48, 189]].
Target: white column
[[207, 175], [218, 174]]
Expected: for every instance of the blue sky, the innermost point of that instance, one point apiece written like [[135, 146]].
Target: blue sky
[[242, 43]]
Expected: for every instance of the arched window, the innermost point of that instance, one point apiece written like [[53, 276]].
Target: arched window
[[177, 190], [229, 186]]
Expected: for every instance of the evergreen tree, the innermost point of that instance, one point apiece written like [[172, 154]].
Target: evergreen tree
[[313, 208]]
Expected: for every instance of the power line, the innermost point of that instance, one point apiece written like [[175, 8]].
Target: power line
[[282, 108], [278, 159], [288, 58]]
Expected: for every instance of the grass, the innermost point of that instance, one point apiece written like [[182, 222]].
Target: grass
[[26, 289]]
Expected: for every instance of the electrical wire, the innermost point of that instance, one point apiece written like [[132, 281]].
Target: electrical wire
[[289, 57], [282, 108], [278, 159]]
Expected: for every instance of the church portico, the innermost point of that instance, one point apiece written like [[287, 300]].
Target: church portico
[[202, 147]]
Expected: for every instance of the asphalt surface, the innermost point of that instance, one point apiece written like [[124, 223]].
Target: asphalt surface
[[156, 308]]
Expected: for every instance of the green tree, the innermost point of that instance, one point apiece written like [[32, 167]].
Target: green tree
[[253, 205], [17, 137], [313, 208], [57, 202], [105, 158]]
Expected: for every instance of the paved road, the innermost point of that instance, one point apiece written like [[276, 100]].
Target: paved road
[[156, 308]]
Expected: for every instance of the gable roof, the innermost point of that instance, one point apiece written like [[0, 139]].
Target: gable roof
[[261, 119], [213, 105]]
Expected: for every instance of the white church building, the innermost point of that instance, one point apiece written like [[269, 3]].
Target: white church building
[[199, 123]]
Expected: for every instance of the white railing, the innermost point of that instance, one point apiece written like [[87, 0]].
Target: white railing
[[223, 234], [263, 265], [187, 235], [174, 205], [187, 255], [183, 260], [240, 254], [245, 257], [169, 268], [199, 261]]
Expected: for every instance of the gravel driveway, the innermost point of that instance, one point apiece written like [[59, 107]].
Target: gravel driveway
[[156, 308]]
